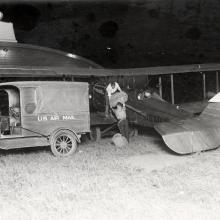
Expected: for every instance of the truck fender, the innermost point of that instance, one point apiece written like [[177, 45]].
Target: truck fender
[[66, 129]]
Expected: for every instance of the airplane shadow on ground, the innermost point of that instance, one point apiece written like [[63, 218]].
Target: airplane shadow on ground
[[28, 150], [157, 139], [164, 147]]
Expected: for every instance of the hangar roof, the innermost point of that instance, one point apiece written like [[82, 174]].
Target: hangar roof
[[24, 55]]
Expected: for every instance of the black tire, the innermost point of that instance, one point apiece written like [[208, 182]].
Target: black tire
[[134, 132], [95, 134], [63, 143]]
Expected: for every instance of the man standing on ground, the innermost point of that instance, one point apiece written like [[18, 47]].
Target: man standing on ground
[[120, 113]]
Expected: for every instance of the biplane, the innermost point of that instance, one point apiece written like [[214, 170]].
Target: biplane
[[28, 62]]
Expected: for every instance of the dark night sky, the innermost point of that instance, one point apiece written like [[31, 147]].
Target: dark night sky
[[124, 34]]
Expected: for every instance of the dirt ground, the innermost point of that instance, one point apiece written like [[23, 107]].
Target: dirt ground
[[143, 180]]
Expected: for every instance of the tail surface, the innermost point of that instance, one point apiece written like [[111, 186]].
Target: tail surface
[[196, 134]]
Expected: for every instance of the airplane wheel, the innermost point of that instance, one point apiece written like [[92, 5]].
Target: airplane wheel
[[63, 143], [95, 134], [134, 132]]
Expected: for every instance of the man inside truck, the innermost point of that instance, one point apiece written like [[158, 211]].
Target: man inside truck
[[14, 114]]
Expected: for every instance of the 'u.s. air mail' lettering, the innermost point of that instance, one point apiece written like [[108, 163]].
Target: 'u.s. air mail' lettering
[[55, 117], [68, 117]]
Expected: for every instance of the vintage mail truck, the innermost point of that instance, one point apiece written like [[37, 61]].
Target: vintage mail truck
[[43, 113]]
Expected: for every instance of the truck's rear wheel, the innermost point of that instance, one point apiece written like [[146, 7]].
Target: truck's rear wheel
[[63, 143]]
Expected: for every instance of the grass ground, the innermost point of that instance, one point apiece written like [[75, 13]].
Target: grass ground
[[141, 181]]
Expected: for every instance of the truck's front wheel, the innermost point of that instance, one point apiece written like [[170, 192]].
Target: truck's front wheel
[[63, 143]]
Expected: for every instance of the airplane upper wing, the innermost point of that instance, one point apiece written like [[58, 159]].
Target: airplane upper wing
[[161, 70], [58, 71], [22, 60]]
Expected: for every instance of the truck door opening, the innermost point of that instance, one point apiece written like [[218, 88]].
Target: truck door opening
[[10, 113]]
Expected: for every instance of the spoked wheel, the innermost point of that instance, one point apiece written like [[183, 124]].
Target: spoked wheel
[[63, 143]]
